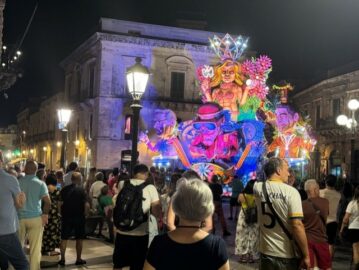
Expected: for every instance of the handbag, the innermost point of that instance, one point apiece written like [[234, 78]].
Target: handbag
[[296, 250], [250, 213]]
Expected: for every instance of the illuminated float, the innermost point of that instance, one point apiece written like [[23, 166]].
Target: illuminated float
[[226, 137]]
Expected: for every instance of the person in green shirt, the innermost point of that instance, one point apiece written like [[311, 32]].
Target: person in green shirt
[[105, 208]]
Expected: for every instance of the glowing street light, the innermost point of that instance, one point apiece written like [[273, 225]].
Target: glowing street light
[[64, 116]]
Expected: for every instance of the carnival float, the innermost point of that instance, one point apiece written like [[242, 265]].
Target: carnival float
[[227, 135]]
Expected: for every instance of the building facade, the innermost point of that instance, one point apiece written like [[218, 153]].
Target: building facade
[[8, 141], [95, 89], [337, 148]]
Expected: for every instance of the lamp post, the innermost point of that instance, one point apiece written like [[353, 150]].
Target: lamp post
[[137, 78], [351, 124], [64, 116]]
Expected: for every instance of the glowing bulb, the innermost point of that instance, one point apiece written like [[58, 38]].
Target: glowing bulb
[[58, 144], [77, 142], [4, 47], [342, 120], [228, 41], [31, 151], [15, 57], [18, 53], [245, 45], [3, 64], [44, 148], [249, 82]]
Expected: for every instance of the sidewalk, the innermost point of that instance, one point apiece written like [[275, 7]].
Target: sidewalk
[[98, 253]]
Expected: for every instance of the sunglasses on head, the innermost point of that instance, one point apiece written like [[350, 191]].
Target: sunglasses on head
[[206, 125]]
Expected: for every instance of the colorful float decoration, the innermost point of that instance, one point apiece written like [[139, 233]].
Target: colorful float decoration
[[226, 137], [292, 139]]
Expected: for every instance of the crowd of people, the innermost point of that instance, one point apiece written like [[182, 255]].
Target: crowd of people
[[167, 221]]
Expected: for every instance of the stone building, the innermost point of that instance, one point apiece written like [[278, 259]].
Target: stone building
[[337, 149], [95, 89], [8, 138]]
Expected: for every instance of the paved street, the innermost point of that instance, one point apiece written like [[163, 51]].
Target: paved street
[[98, 254]]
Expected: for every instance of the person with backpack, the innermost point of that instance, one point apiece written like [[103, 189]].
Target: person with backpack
[[133, 204]]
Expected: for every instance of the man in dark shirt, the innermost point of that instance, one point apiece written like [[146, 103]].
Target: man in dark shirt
[[74, 208], [217, 192], [316, 210]]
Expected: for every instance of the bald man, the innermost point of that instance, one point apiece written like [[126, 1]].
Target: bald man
[[32, 218], [316, 211]]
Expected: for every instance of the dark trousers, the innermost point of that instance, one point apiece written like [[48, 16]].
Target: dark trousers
[[218, 209], [11, 251]]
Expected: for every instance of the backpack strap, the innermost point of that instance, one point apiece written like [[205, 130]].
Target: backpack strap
[[279, 220]]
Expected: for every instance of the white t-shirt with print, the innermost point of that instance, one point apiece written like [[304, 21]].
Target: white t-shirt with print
[[333, 197], [353, 210], [287, 203], [150, 195]]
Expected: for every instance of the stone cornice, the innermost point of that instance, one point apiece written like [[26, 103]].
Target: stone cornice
[[152, 42]]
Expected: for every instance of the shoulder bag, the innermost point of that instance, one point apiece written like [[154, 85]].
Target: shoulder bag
[[250, 213], [296, 250]]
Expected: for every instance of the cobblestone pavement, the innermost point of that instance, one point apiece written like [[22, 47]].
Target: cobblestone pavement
[[98, 253]]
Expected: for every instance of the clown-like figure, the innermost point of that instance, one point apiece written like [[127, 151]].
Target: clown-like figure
[[289, 143], [209, 141], [164, 124]]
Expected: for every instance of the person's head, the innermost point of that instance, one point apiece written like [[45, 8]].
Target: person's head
[[41, 174], [190, 175], [51, 182], [99, 176], [104, 190], [330, 181], [41, 166], [92, 172], [277, 168], [73, 166], [141, 172], [215, 179], [312, 188], [30, 167], [291, 178], [76, 178], [193, 200], [249, 187], [115, 172], [173, 183], [59, 175]]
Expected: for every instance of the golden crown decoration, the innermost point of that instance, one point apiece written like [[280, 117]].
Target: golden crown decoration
[[228, 47]]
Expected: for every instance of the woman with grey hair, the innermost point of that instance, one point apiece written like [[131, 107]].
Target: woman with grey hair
[[188, 246]]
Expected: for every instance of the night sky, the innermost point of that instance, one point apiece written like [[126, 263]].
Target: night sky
[[303, 37]]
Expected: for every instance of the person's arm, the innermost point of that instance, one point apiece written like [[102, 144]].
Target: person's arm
[[46, 209], [345, 222], [170, 217], [241, 198], [156, 209], [225, 266], [147, 266], [20, 200], [301, 239]]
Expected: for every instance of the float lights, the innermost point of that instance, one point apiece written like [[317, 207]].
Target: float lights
[[19, 53]]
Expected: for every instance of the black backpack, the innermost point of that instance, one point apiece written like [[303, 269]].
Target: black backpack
[[128, 213]]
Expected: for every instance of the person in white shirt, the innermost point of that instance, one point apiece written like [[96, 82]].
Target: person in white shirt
[[95, 190], [351, 220], [72, 167], [333, 197], [131, 246], [277, 251]]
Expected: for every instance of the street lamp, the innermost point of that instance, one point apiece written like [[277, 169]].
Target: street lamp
[[137, 78], [351, 124], [64, 116]]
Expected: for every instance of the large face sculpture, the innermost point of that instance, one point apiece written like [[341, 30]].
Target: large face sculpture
[[208, 131], [228, 73], [286, 118]]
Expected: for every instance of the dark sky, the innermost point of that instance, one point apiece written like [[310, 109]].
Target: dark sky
[[303, 37]]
